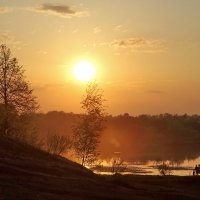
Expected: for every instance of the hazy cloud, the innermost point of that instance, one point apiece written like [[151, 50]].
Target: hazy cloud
[[140, 44], [11, 41], [42, 52], [75, 31], [154, 91], [4, 37], [50, 86], [59, 10], [137, 44], [3, 9], [118, 28], [96, 30], [60, 29]]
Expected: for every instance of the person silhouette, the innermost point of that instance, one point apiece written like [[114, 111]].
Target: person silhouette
[[196, 169]]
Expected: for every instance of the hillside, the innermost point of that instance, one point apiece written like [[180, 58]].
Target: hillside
[[29, 174]]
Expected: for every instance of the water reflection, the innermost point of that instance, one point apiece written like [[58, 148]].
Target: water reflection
[[180, 169]]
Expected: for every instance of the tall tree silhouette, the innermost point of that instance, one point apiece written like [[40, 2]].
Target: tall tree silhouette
[[88, 131], [16, 98]]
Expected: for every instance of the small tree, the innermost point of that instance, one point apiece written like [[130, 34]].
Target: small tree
[[16, 98], [117, 165], [164, 168], [88, 131], [57, 144]]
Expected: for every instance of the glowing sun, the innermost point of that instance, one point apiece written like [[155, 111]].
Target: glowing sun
[[84, 71]]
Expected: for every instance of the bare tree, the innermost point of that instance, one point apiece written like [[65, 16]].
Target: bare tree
[[164, 168], [57, 144], [118, 165], [16, 98], [88, 130]]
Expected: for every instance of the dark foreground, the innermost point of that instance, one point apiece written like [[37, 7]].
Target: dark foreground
[[30, 174]]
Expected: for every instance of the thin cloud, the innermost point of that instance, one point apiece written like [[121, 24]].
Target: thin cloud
[[137, 44], [4, 37], [59, 10], [11, 41], [140, 44], [75, 31], [154, 92], [118, 28], [50, 86], [96, 30], [3, 9], [42, 52]]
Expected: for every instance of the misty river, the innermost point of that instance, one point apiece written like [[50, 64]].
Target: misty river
[[184, 168]]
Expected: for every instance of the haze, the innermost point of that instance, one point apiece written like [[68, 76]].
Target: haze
[[146, 52]]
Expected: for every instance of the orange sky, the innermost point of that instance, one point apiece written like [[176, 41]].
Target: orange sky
[[146, 52]]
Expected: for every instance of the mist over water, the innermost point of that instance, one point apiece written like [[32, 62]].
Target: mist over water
[[184, 168], [143, 139]]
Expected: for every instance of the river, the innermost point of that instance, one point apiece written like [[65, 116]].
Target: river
[[181, 169]]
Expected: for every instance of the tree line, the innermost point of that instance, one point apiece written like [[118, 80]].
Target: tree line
[[137, 138]]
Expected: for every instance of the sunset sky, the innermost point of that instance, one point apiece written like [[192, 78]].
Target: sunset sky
[[146, 52]]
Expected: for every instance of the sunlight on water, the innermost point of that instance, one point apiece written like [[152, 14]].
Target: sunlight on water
[[183, 169]]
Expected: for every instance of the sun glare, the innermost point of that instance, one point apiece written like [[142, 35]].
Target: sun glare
[[84, 71]]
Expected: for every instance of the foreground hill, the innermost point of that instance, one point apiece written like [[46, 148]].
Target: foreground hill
[[29, 174]]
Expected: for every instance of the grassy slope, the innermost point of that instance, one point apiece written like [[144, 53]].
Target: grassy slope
[[27, 174]]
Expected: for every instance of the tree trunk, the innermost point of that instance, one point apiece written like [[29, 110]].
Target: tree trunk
[[5, 125], [83, 161]]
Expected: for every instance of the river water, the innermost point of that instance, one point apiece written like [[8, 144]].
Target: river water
[[182, 169]]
